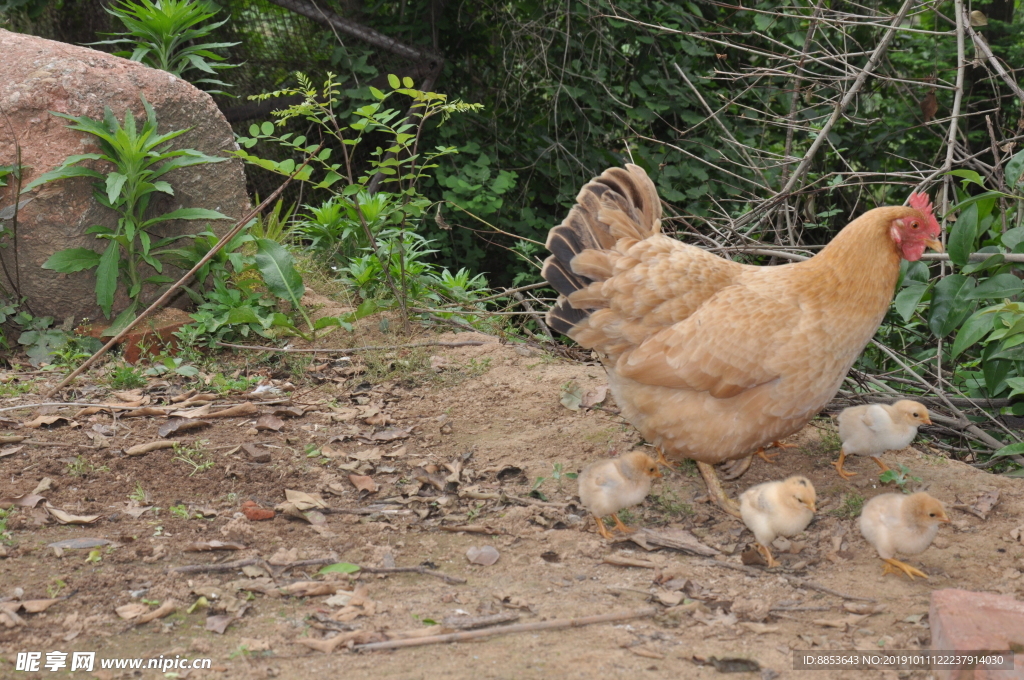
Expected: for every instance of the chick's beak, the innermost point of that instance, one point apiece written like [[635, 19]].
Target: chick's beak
[[926, 420], [935, 244], [657, 473], [944, 518], [813, 507]]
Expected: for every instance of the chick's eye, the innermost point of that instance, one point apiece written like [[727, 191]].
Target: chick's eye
[[917, 415], [931, 514]]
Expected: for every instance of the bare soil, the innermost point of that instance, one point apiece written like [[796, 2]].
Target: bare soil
[[494, 410]]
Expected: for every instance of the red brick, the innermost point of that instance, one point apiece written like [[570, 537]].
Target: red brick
[[962, 620]]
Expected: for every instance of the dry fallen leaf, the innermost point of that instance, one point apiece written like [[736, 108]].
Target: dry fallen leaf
[[983, 505], [28, 500], [363, 483], [303, 500], [11, 451], [179, 425], [204, 546], [131, 611], [595, 396], [160, 612], [143, 449], [67, 518], [45, 420], [269, 422], [571, 395]]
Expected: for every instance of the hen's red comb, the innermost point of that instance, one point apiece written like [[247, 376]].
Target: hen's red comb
[[923, 204]]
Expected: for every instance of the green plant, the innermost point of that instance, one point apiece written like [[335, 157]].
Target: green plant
[[166, 34], [38, 338], [273, 225], [126, 377], [82, 466], [193, 457], [173, 365], [139, 495], [670, 503], [222, 384], [900, 477], [55, 588], [179, 511], [557, 475], [140, 158], [850, 507], [5, 514]]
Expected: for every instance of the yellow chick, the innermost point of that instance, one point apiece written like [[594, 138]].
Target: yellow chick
[[607, 486], [872, 429], [776, 509], [895, 523]]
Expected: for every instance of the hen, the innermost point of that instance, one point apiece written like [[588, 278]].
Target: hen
[[712, 359]]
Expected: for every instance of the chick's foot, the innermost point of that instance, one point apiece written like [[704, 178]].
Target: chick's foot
[[601, 528], [893, 566], [767, 554], [838, 465], [707, 471], [734, 469], [878, 461], [620, 526]]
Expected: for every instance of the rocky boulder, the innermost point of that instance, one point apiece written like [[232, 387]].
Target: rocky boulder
[[38, 76]]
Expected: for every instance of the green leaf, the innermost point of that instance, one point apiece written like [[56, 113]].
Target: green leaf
[[1014, 170], [243, 315], [969, 177], [122, 321], [267, 128], [998, 286], [393, 81], [326, 321], [949, 304], [278, 269], [339, 568], [909, 298], [377, 94], [115, 181], [106, 278], [1011, 450], [961, 239], [72, 260], [62, 173], [187, 214], [973, 330]]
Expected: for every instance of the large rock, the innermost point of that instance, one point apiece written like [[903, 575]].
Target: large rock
[[962, 620], [38, 76]]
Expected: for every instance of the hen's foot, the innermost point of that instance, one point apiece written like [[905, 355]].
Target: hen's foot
[[767, 554], [783, 445], [620, 526], [661, 458], [601, 528], [766, 457], [838, 465], [734, 469], [717, 493], [893, 566], [878, 461]]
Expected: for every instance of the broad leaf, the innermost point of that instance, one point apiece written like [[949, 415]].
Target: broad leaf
[[1014, 170], [961, 239], [278, 269], [908, 299], [950, 305], [973, 330], [72, 260], [998, 286], [106, 277]]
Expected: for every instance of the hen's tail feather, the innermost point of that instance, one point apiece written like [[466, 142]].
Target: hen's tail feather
[[621, 203]]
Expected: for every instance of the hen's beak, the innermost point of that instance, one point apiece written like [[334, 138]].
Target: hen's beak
[[935, 244]]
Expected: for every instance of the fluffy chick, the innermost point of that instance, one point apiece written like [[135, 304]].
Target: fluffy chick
[[895, 523], [607, 486], [776, 509], [874, 428]]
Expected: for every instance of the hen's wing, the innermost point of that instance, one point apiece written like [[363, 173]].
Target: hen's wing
[[732, 343]]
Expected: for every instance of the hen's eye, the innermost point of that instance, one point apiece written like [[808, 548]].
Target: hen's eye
[[914, 225]]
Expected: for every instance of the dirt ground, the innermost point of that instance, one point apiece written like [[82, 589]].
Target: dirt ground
[[492, 413]]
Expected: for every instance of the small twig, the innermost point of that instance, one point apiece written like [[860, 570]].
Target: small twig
[[343, 350], [554, 624], [534, 315], [214, 568], [412, 570]]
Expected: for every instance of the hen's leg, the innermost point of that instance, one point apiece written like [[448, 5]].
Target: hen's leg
[[707, 471], [885, 468], [894, 566], [734, 469], [763, 549], [662, 459], [601, 528], [768, 458], [620, 526], [838, 465]]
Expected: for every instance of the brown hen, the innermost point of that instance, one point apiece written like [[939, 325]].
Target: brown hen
[[712, 359]]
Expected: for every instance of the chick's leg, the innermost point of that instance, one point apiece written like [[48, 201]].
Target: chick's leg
[[763, 549], [707, 471], [838, 465], [601, 529], [878, 461], [620, 526], [894, 566]]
